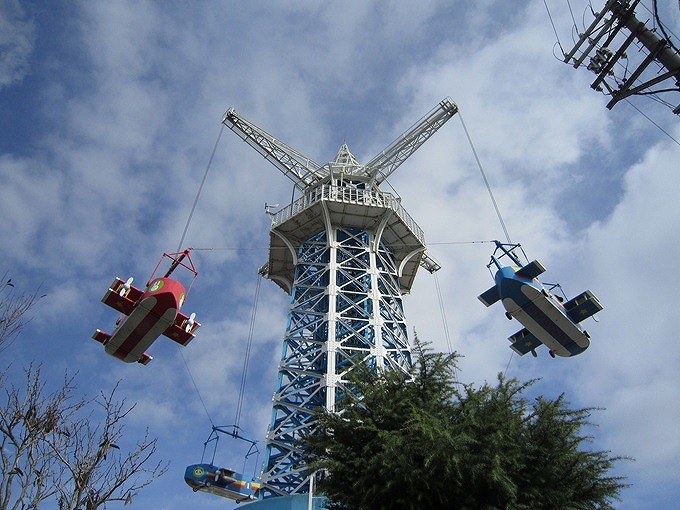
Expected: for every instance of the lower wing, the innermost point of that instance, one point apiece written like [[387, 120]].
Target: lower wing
[[523, 341]]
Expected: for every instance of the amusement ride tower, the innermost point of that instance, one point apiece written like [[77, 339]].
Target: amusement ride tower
[[346, 252]]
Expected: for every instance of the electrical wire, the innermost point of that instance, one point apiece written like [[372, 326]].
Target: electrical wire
[[662, 27], [650, 120], [553, 26]]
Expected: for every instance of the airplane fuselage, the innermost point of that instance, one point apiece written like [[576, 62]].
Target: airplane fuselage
[[221, 482], [152, 315], [540, 312]]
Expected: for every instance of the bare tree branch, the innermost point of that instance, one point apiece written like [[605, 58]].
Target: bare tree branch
[[13, 308], [60, 449], [75, 451], [99, 469]]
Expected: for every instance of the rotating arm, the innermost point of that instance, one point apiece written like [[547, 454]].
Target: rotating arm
[[296, 166], [381, 166]]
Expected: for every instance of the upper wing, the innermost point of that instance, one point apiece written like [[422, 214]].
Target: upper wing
[[531, 270], [582, 306], [523, 341], [124, 303], [490, 296], [178, 332]]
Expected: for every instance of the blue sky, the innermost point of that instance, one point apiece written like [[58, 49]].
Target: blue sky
[[109, 113]]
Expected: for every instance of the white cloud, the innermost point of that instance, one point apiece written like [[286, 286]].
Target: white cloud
[[130, 125], [632, 256], [17, 39]]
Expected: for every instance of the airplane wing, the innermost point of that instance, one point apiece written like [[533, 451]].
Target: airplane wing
[[490, 296], [177, 331], [227, 475], [523, 341], [582, 306], [101, 336], [125, 303], [531, 270]]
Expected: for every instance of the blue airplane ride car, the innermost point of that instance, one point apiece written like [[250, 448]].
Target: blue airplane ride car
[[545, 318], [222, 482]]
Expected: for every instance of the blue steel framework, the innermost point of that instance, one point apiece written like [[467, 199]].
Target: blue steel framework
[[345, 309], [346, 252]]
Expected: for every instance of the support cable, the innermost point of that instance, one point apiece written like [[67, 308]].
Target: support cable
[[200, 188], [442, 310], [445, 324], [205, 408], [486, 181], [512, 355], [493, 200], [246, 361], [179, 248]]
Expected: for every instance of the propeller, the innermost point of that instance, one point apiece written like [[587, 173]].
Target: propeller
[[126, 286], [190, 322]]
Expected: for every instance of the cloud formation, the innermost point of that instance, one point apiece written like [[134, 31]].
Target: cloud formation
[[110, 140]]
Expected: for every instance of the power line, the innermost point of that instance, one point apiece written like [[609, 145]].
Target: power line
[[553, 26], [650, 120]]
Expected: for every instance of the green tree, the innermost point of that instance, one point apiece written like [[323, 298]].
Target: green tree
[[429, 442]]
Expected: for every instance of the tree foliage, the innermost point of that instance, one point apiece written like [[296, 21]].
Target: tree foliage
[[429, 442]]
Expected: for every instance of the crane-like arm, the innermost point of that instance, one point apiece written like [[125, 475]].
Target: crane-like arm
[[296, 166], [381, 166]]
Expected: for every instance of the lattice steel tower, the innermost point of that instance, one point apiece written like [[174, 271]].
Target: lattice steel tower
[[346, 252]]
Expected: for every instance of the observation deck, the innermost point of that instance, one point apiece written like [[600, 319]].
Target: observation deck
[[326, 205]]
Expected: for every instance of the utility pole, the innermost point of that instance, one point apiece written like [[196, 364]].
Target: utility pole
[[607, 42]]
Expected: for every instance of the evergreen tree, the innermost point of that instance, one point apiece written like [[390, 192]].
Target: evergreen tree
[[428, 442]]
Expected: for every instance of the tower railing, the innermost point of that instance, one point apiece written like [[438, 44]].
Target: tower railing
[[348, 195]]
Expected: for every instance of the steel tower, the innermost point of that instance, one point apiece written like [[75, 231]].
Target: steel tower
[[346, 252]]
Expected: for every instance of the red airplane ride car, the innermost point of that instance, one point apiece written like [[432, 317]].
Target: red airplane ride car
[[147, 315]]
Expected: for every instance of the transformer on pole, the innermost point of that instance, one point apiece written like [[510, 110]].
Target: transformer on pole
[[346, 252]]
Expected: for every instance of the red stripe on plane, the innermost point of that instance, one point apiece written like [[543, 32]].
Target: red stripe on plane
[[165, 301]]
